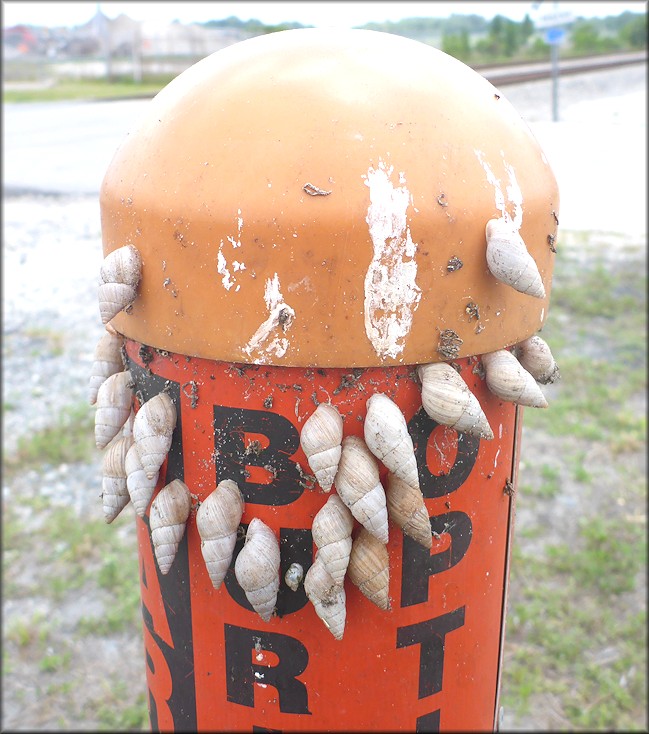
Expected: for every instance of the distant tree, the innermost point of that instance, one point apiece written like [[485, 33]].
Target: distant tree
[[511, 38], [457, 45], [526, 29], [584, 37], [634, 33], [503, 38]]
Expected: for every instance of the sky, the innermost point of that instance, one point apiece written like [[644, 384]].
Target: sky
[[344, 14]]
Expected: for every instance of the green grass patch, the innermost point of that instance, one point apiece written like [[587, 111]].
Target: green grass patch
[[596, 329], [54, 662], [87, 552], [579, 471], [612, 554], [574, 637], [48, 341], [573, 630], [26, 632], [88, 89], [70, 439], [550, 476], [114, 716]]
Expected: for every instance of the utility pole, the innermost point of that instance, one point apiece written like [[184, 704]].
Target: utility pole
[[554, 24], [554, 60]]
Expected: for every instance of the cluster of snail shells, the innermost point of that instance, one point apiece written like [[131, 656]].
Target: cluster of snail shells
[[351, 465], [360, 497], [136, 445]]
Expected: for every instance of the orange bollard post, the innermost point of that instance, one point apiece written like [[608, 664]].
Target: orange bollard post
[[305, 216]]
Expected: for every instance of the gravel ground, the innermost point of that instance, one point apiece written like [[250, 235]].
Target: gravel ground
[[52, 254]]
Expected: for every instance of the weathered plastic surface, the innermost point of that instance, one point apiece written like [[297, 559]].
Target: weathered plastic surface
[[306, 198], [431, 663]]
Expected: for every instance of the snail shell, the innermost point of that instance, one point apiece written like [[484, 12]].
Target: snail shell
[[387, 437], [328, 597], [113, 407], [217, 520], [407, 509], [257, 568], [107, 362], [369, 569], [535, 356], [320, 438], [447, 399], [332, 534], [509, 261], [153, 428], [360, 489], [294, 576], [120, 274], [507, 379], [114, 493], [167, 519], [140, 487]]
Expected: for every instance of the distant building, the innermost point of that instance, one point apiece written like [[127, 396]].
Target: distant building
[[121, 36]]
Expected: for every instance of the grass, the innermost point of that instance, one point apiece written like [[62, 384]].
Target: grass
[[69, 439], [86, 89], [576, 636], [45, 340], [115, 717]]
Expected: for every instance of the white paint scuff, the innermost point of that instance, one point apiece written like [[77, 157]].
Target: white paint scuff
[[391, 291], [222, 264], [280, 318], [514, 198]]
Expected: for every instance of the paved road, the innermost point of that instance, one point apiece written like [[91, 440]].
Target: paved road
[[598, 150], [63, 147]]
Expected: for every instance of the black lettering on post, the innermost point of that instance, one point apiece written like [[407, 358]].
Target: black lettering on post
[[432, 485], [172, 587], [418, 565], [230, 425], [431, 636], [241, 643], [296, 546], [428, 723]]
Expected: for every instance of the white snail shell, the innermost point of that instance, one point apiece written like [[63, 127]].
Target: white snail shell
[[139, 486], [332, 534], [535, 356], [167, 519], [114, 493], [294, 576], [328, 598], [446, 398], [257, 568], [509, 261], [369, 569], [360, 488], [407, 509], [107, 362], [387, 437], [507, 379], [152, 429], [217, 520], [120, 274], [321, 436], [113, 407]]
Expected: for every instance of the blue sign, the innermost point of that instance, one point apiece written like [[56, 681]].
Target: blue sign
[[555, 35]]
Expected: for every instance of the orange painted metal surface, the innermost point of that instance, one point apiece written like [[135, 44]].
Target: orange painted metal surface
[[299, 199], [430, 663]]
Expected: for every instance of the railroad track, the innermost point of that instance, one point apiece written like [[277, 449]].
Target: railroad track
[[515, 73]]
